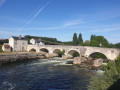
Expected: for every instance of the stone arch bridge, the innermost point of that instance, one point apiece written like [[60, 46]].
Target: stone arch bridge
[[110, 53]]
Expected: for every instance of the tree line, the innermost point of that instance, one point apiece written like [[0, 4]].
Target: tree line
[[96, 41], [3, 41], [46, 40]]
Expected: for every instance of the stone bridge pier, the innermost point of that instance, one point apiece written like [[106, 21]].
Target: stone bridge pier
[[110, 53]]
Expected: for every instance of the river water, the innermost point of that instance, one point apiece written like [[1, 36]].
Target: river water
[[44, 74]]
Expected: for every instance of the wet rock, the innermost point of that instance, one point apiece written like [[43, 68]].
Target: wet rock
[[69, 56], [55, 55], [49, 55], [77, 60], [83, 59], [98, 62]]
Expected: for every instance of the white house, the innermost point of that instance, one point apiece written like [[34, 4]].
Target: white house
[[36, 42], [18, 43], [6, 47]]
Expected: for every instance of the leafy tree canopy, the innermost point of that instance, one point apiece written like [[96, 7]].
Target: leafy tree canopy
[[101, 40], [94, 43], [87, 43]]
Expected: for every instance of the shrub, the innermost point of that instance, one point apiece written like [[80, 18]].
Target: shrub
[[61, 53], [110, 76]]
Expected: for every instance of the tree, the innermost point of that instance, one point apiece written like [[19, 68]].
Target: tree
[[87, 43], [80, 40], [117, 45], [92, 37], [75, 42], [101, 40], [94, 43], [3, 41]]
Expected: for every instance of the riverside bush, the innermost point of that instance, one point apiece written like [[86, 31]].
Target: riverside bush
[[61, 52], [109, 78]]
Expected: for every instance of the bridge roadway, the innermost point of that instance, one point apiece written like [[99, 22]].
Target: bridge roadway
[[110, 53]]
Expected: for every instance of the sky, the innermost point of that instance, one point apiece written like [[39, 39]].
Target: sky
[[60, 18]]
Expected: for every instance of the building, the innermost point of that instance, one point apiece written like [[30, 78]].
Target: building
[[36, 42], [6, 47], [18, 43]]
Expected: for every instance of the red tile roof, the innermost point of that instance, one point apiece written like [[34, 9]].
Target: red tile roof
[[7, 46]]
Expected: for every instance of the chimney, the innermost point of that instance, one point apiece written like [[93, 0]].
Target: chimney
[[20, 37]]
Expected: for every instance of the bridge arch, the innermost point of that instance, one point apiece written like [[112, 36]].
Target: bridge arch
[[73, 53], [96, 55], [56, 51], [44, 50], [32, 50]]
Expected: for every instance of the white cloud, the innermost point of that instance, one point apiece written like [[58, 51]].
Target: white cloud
[[2, 2], [74, 22]]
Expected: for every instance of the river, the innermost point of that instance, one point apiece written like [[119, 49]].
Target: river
[[44, 74]]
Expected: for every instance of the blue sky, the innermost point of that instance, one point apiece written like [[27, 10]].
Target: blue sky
[[60, 18]]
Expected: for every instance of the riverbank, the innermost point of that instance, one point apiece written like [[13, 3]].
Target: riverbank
[[19, 56]]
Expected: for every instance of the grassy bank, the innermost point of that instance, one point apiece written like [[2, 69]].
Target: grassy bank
[[110, 80]]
